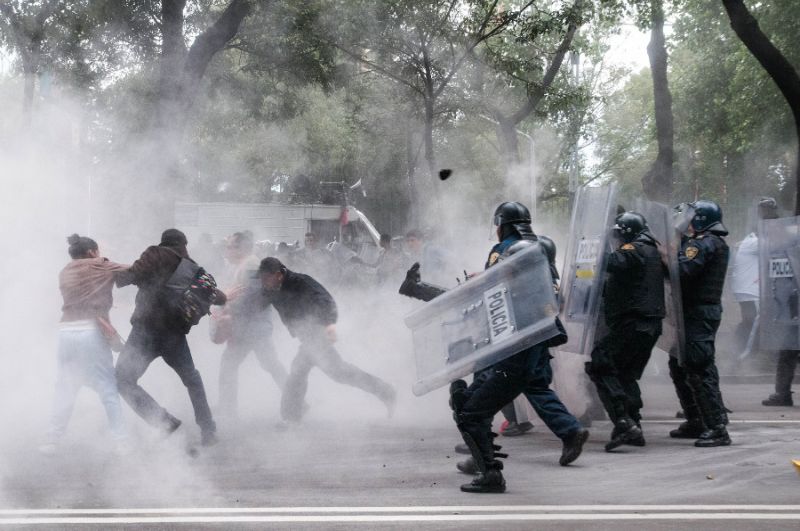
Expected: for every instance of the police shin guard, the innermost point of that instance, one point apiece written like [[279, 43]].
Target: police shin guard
[[458, 395], [489, 477], [713, 414], [693, 426], [711, 410]]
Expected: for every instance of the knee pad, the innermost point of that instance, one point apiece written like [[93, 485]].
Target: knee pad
[[458, 395]]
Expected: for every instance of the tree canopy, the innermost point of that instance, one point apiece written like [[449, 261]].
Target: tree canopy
[[232, 100]]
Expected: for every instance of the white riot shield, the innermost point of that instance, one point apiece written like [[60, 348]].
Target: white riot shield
[[507, 308], [662, 226], [584, 269], [779, 308]]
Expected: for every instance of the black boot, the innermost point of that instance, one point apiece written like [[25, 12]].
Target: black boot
[[778, 400], [716, 436], [627, 431], [691, 429], [467, 466], [573, 446], [637, 441], [490, 481]]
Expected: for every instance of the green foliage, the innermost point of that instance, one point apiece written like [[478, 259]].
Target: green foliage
[[734, 132], [342, 90]]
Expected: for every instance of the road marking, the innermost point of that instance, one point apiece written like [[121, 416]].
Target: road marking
[[378, 518], [732, 421], [403, 509], [437, 513]]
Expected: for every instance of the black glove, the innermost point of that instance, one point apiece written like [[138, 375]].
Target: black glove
[[413, 287]]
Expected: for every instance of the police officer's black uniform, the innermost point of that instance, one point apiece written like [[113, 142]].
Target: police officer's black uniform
[[703, 262], [634, 307]]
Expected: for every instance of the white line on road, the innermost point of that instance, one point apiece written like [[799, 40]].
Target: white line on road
[[396, 518], [732, 421], [399, 509], [366, 514]]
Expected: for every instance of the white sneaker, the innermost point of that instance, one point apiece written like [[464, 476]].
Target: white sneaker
[[48, 449]]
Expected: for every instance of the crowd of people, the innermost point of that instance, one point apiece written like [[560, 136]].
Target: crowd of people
[[175, 292], [241, 299]]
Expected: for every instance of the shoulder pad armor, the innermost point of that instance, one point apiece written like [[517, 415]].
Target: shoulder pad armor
[[517, 247]]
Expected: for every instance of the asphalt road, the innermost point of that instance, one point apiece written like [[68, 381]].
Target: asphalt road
[[375, 473]]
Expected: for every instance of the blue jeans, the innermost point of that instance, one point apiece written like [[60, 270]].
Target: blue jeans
[[84, 358], [526, 372]]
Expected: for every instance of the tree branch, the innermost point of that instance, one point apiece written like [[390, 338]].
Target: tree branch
[[535, 96], [215, 37], [376, 67]]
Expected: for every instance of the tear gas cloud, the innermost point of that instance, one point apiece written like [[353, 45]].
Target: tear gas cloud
[[49, 178], [64, 171]]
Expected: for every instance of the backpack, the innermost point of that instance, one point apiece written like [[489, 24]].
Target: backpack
[[190, 292]]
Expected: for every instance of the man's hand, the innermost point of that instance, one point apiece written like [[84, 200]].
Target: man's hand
[[330, 333]]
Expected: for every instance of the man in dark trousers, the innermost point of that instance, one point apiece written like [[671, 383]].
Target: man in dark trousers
[[156, 332], [527, 371], [633, 304], [309, 313], [703, 262]]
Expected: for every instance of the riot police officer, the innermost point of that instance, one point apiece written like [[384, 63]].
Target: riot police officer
[[633, 304], [527, 371], [703, 262]]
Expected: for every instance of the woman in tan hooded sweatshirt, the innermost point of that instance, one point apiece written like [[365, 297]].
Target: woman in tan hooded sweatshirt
[[84, 340]]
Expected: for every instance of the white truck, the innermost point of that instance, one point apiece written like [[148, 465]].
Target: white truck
[[278, 222]]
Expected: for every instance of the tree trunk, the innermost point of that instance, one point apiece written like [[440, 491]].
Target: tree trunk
[[27, 35], [29, 90], [507, 125], [776, 65], [657, 182], [180, 74], [508, 141], [411, 174]]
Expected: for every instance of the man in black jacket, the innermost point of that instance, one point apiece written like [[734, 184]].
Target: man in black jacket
[[156, 332], [703, 262], [633, 304], [309, 313]]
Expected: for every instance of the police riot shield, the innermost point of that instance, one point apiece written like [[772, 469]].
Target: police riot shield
[[507, 308], [584, 269], [779, 256], [660, 220]]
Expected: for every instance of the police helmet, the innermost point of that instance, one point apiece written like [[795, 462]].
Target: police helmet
[[707, 216], [511, 212], [629, 225]]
